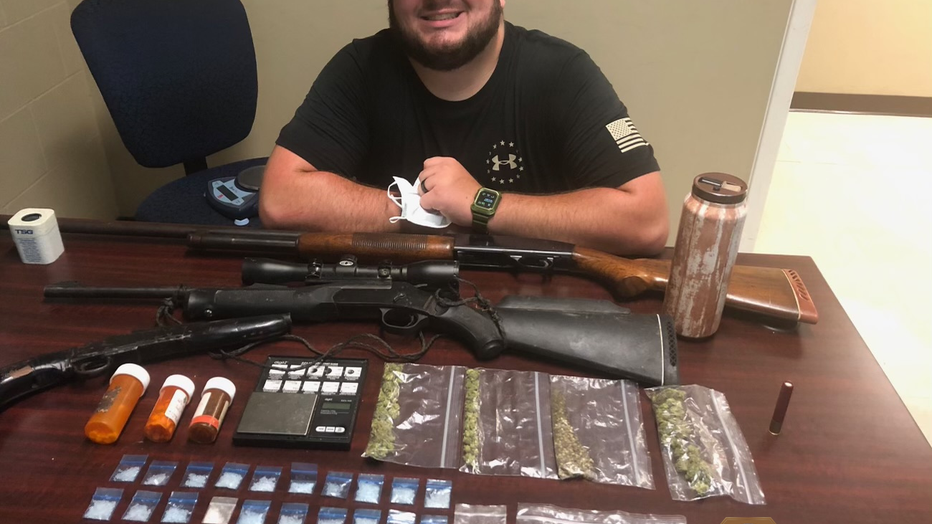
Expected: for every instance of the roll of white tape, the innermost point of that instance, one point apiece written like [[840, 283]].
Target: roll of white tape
[[35, 232]]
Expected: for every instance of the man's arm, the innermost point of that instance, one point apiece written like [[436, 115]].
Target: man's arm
[[296, 196], [628, 220]]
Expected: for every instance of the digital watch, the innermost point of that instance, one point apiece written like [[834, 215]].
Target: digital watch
[[483, 208]]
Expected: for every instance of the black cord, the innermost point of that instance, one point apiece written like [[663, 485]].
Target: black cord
[[482, 303], [165, 314], [386, 352]]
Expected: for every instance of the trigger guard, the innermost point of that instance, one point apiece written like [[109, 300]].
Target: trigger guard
[[93, 367], [400, 322]]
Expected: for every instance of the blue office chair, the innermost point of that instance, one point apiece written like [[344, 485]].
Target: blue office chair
[[179, 78]]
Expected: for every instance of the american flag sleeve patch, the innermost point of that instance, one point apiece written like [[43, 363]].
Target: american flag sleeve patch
[[625, 134]]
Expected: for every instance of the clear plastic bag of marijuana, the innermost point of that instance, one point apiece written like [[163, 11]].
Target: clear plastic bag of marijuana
[[704, 452], [506, 424], [597, 431], [418, 416], [547, 514]]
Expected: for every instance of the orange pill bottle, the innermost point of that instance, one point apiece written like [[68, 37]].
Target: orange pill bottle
[[127, 384], [173, 397], [208, 417]]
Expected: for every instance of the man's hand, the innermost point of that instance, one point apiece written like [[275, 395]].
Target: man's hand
[[447, 188]]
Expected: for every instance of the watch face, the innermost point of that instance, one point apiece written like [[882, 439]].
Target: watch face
[[486, 199]]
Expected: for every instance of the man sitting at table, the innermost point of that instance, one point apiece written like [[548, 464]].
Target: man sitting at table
[[509, 131]]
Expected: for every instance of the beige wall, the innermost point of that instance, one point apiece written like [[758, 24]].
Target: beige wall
[[869, 47], [696, 76], [51, 152]]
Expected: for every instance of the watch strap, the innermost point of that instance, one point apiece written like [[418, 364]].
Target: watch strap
[[480, 223]]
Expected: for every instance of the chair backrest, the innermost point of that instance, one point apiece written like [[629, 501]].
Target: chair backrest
[[178, 76]]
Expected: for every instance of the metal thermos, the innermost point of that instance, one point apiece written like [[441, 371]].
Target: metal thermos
[[704, 254]]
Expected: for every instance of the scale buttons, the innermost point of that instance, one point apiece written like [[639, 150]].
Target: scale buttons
[[330, 429]]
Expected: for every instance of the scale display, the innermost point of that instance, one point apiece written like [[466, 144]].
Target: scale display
[[297, 406], [231, 200]]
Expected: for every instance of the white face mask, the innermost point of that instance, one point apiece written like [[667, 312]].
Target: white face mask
[[410, 204]]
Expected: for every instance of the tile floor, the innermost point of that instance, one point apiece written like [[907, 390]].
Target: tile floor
[[853, 192]]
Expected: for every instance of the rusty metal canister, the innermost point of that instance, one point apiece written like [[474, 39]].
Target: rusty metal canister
[[704, 254]]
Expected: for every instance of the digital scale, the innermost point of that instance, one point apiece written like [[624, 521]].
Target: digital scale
[[314, 407], [236, 197]]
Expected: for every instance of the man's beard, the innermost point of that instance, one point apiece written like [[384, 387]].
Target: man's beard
[[447, 57]]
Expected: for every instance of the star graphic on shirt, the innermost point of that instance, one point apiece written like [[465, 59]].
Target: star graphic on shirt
[[504, 160], [521, 168]]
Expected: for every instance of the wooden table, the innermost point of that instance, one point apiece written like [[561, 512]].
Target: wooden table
[[849, 451]]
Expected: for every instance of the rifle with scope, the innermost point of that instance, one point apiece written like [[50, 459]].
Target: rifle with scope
[[589, 334]]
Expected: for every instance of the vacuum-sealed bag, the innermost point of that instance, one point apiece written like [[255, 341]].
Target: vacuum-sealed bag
[[597, 431], [547, 514], [506, 424], [704, 452], [418, 416]]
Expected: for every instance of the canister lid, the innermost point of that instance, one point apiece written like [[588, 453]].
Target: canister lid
[[721, 188], [180, 381], [40, 221], [136, 371], [223, 384]]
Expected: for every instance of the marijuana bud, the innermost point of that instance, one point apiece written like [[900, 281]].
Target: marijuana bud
[[471, 441], [382, 436], [573, 459], [676, 434]]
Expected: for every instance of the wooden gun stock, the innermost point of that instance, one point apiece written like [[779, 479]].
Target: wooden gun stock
[[778, 293]]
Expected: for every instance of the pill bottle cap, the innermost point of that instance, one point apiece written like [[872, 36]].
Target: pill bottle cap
[[136, 371], [180, 381], [223, 384]]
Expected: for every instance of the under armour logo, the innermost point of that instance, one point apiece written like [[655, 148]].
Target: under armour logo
[[510, 162]]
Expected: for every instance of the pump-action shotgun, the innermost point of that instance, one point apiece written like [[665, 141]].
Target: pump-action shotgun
[[772, 292]]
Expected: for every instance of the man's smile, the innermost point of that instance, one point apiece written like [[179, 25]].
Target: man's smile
[[441, 19]]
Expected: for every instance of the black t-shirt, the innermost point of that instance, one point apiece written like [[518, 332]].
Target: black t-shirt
[[546, 121]]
